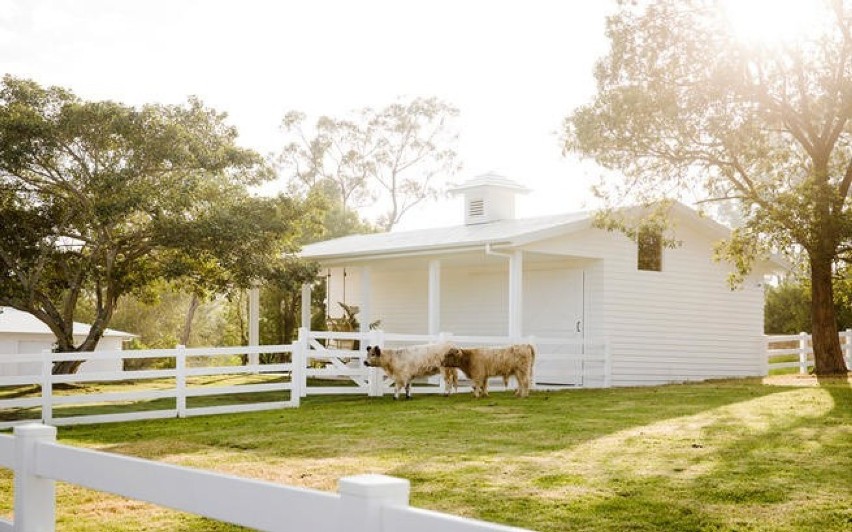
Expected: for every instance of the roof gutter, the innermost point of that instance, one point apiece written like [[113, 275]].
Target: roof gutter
[[348, 259], [490, 251]]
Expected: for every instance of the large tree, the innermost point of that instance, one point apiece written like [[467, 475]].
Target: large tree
[[685, 102], [102, 198], [393, 156]]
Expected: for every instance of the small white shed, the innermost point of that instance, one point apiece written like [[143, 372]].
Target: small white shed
[[668, 315], [23, 333]]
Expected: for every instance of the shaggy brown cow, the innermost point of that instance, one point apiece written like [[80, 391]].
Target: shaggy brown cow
[[483, 362], [406, 363]]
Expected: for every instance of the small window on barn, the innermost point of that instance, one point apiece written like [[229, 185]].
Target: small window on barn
[[650, 256]]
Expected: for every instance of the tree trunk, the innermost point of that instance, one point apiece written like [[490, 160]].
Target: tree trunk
[[187, 324], [66, 367], [828, 359]]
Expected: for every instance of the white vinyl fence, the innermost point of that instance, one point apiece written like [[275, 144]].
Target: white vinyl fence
[[165, 397], [364, 503], [319, 363], [781, 348]]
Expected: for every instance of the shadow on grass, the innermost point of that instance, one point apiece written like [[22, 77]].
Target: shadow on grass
[[334, 426], [791, 475]]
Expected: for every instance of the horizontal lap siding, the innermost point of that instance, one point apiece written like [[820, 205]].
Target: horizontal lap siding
[[684, 323], [475, 302], [400, 299]]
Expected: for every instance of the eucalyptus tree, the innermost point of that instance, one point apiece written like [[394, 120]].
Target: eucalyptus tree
[[685, 102], [391, 157], [102, 198]]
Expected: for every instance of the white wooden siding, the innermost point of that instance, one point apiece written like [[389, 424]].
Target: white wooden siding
[[683, 323], [400, 299], [475, 301]]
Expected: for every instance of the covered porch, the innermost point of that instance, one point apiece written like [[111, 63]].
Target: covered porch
[[492, 292]]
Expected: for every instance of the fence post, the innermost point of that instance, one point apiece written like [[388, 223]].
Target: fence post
[[35, 496], [848, 348], [297, 367], [47, 386], [803, 353], [375, 386], [300, 375], [180, 380], [362, 498]]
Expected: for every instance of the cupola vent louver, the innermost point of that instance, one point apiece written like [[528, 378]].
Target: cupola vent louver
[[476, 208]]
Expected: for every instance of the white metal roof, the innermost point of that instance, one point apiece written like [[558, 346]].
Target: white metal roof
[[506, 232], [15, 321], [448, 239]]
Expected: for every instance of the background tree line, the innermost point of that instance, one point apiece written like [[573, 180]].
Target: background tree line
[[145, 218]]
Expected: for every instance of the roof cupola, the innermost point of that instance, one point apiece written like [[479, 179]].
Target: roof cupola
[[488, 198]]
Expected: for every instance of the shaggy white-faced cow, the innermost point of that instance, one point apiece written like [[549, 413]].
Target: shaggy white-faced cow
[[406, 363], [482, 362]]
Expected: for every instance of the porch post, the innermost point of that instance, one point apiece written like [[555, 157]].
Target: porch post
[[306, 305], [516, 293], [254, 322], [434, 297], [366, 289]]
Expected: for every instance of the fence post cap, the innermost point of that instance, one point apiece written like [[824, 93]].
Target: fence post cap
[[372, 486], [35, 430]]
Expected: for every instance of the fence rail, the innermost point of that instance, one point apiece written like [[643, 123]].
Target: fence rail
[[167, 389], [319, 363], [365, 503], [796, 351]]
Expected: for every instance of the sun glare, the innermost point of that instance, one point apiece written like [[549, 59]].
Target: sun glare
[[772, 22]]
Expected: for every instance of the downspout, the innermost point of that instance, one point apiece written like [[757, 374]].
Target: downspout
[[516, 271]]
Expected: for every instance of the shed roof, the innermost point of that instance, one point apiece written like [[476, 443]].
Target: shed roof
[[14, 321], [507, 232], [503, 232]]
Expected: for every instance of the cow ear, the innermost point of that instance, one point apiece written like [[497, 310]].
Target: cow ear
[[368, 348]]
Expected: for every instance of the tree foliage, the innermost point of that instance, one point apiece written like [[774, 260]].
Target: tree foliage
[[105, 199], [392, 156], [685, 106]]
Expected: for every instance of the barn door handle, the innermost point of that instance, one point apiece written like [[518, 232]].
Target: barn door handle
[[578, 325]]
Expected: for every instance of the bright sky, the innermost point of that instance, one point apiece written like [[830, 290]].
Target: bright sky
[[515, 69]]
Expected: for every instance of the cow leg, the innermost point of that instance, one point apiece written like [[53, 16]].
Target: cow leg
[[451, 381], [408, 390], [523, 384]]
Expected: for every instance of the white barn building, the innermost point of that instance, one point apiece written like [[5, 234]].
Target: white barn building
[[23, 333], [672, 318]]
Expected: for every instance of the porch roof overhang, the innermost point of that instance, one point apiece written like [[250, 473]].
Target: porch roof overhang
[[443, 240]]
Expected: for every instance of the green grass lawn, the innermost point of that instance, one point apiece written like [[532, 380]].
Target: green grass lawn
[[732, 455]]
